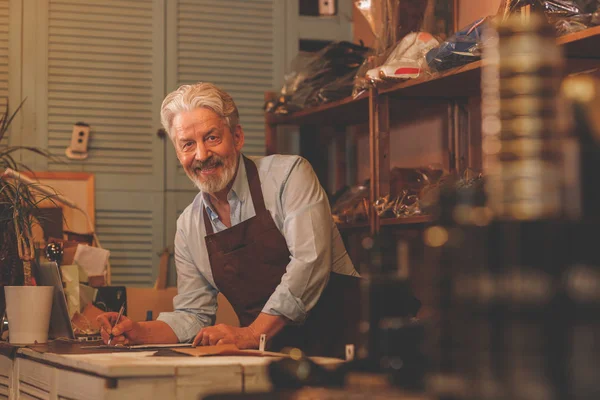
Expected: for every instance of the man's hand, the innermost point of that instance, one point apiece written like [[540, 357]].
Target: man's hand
[[126, 332], [243, 338]]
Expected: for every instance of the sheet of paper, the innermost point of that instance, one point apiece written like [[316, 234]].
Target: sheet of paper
[[70, 276], [92, 259], [83, 275]]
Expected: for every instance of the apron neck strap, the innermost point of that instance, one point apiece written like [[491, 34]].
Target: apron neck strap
[[255, 192]]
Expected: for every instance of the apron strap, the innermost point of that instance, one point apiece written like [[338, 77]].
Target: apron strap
[[255, 188], [255, 191]]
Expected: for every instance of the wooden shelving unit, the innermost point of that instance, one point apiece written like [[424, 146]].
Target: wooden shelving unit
[[581, 50]]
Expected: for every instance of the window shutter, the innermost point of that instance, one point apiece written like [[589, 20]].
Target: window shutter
[[105, 67], [4, 60], [101, 71]]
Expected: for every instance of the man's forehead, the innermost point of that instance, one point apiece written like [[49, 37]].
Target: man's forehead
[[199, 118]]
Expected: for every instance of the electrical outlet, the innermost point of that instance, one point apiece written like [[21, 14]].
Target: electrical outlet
[[80, 138]]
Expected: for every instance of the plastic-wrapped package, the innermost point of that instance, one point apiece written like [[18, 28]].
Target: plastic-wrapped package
[[404, 205], [408, 58], [316, 76], [390, 20], [407, 187], [336, 90], [462, 48], [552, 8], [351, 204], [565, 15], [361, 81], [380, 15], [572, 16]]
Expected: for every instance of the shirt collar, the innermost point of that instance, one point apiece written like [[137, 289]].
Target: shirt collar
[[240, 185], [239, 190]]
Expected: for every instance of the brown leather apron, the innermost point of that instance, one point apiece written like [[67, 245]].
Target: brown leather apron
[[248, 261]]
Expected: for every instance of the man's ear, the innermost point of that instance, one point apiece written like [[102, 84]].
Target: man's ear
[[238, 137]]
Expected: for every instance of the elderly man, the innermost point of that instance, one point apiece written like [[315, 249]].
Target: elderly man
[[260, 231]]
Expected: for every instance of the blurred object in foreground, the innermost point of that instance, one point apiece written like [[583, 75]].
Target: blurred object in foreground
[[581, 279], [391, 338], [502, 251], [522, 124], [582, 92]]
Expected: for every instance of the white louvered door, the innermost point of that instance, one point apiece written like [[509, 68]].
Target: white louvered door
[[129, 225], [102, 62], [105, 68]]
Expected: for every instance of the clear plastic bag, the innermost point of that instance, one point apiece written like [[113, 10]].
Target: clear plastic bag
[[407, 188], [390, 21], [565, 15], [350, 204], [336, 90]]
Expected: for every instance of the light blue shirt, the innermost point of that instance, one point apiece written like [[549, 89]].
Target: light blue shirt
[[301, 212]]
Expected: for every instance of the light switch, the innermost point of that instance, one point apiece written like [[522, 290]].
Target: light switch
[[79, 141]]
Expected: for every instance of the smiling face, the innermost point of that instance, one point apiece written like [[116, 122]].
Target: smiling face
[[206, 148]]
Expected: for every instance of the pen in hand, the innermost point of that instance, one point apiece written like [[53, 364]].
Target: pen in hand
[[111, 336]]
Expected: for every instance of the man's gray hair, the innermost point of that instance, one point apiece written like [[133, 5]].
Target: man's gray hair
[[199, 95]]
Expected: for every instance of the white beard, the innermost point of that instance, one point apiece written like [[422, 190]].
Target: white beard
[[213, 184]]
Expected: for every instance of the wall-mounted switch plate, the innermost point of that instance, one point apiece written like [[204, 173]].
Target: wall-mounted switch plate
[[326, 7], [79, 141]]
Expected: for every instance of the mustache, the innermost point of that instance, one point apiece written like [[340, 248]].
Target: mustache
[[212, 162]]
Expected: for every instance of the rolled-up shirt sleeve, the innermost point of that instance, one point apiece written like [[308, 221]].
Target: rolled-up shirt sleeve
[[307, 228], [196, 302]]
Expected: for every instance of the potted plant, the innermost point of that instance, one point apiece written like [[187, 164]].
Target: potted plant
[[18, 204]]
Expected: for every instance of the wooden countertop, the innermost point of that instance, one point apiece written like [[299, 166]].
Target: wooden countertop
[[144, 363]]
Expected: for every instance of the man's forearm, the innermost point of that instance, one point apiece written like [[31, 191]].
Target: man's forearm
[[268, 324], [153, 332]]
